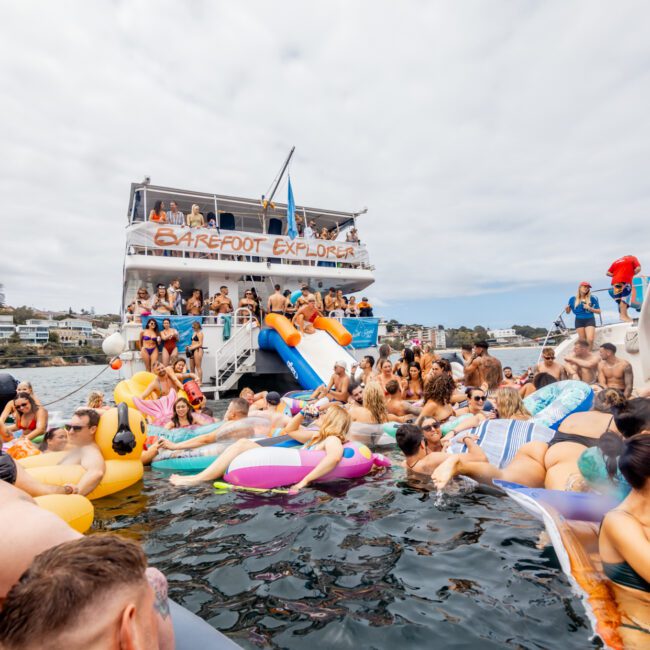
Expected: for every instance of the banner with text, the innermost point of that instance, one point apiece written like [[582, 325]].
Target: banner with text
[[364, 331], [232, 242]]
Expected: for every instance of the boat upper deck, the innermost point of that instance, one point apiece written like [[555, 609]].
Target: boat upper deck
[[234, 229]]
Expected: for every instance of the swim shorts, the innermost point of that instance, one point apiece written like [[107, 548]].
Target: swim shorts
[[621, 293], [7, 468], [585, 322]]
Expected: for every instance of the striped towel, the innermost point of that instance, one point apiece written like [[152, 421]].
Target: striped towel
[[501, 439]]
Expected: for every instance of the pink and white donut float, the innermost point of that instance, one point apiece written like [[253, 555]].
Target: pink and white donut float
[[272, 467]]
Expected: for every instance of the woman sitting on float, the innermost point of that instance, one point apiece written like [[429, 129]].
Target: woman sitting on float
[[330, 437], [29, 419], [9, 410], [183, 415]]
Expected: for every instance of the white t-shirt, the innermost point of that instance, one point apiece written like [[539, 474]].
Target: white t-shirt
[[309, 233]]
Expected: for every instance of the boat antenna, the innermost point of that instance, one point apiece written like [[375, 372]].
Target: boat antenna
[[266, 202]]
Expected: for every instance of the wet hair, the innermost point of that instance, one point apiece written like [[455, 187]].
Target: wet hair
[[392, 387], [439, 389], [606, 400], [510, 404], [190, 416], [370, 359], [91, 414], [609, 346], [373, 400], [239, 405], [408, 356], [542, 379], [634, 461], [409, 437], [66, 580]]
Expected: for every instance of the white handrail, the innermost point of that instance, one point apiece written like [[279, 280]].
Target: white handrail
[[228, 354]]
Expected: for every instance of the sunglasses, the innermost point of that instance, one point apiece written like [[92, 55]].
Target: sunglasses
[[74, 427], [431, 427], [21, 406], [549, 358], [479, 398]]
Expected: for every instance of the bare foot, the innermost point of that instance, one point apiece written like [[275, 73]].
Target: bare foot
[[177, 479], [445, 472]]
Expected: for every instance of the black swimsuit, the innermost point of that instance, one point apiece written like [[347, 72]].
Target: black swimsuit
[[585, 441]]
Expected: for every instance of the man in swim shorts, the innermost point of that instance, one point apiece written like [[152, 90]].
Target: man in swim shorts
[[221, 303], [277, 302], [582, 365], [338, 389], [330, 301], [622, 271], [306, 315], [614, 372], [91, 592]]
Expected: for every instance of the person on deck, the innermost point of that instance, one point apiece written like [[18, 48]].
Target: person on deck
[[550, 365], [161, 304], [169, 337], [221, 303], [583, 363], [584, 306], [194, 304], [365, 308], [158, 213], [614, 372], [277, 302], [622, 272]]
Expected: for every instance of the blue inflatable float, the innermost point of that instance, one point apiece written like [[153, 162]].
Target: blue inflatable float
[[551, 404]]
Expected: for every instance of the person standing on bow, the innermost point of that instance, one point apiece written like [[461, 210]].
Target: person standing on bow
[[584, 306], [622, 272]]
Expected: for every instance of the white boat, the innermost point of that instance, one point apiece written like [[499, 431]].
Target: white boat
[[632, 340], [248, 248]]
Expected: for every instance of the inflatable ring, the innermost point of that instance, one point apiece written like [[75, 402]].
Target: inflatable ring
[[120, 437], [551, 404], [76, 510]]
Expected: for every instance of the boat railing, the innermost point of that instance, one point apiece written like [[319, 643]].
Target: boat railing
[[236, 351]]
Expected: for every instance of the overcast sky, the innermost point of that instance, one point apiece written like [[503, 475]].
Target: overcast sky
[[501, 147]]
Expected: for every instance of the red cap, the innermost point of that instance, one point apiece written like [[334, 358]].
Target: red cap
[[585, 284]]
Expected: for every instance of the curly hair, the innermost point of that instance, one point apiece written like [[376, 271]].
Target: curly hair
[[439, 390]]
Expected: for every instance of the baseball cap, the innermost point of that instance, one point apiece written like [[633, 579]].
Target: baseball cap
[[585, 284], [273, 398], [341, 364]]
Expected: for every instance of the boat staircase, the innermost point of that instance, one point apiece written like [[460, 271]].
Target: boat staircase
[[236, 356]]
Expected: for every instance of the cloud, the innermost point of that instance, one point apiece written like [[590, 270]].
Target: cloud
[[498, 146]]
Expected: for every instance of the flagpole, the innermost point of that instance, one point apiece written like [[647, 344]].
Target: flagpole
[[267, 202]]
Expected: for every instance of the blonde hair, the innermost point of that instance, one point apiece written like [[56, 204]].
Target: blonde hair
[[579, 298], [510, 405], [246, 391], [336, 423], [373, 400], [95, 399], [195, 210]]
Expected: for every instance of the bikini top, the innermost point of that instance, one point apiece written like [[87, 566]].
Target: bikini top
[[623, 574], [30, 427], [148, 338], [195, 338]]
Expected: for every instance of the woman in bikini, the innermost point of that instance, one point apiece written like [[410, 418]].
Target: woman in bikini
[[161, 304], [248, 302], [194, 351], [158, 213], [149, 340], [304, 319], [412, 388], [330, 437], [9, 410], [30, 419], [169, 337], [194, 304], [401, 368], [624, 543]]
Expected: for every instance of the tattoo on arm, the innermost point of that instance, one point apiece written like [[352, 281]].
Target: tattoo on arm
[[158, 583], [628, 377]]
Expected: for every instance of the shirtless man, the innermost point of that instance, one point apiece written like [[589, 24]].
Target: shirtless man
[[84, 452], [550, 365], [276, 303], [583, 363], [395, 405], [303, 298], [366, 365], [163, 383], [509, 380], [482, 369], [338, 389], [614, 372], [221, 303], [330, 301], [306, 315]]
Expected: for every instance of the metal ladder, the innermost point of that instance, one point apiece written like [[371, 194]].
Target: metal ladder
[[237, 355]]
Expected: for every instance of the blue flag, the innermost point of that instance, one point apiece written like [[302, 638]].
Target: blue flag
[[292, 229]]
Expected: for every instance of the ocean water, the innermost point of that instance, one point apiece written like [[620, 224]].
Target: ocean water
[[376, 563]]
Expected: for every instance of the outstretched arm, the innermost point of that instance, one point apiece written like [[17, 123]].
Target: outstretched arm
[[333, 454], [192, 443]]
